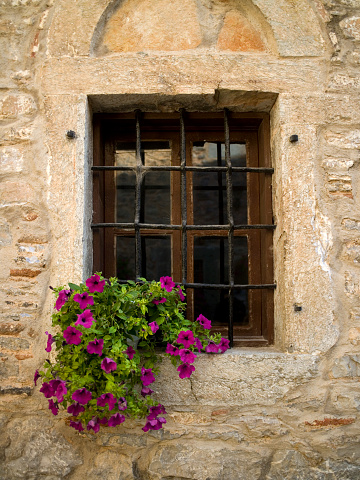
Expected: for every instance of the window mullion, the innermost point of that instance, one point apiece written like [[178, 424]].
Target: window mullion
[[183, 196], [138, 199]]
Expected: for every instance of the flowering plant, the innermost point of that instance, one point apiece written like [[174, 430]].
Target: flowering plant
[[100, 376]]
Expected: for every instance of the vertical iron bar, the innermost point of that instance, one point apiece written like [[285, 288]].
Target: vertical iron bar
[[183, 196], [230, 222], [138, 189], [221, 220]]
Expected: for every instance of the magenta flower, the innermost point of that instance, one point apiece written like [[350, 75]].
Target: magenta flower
[[84, 299], [211, 347], [85, 319], [167, 283], [147, 376], [106, 398], [198, 344], [154, 424], [36, 376], [204, 322], [63, 297], [75, 409], [50, 341], [103, 421], [171, 349], [122, 403], [72, 336], [94, 284], [187, 356], [224, 345], [47, 390], [185, 370], [53, 407], [59, 389], [94, 424], [130, 352], [116, 420], [162, 300], [154, 327], [96, 346], [186, 338], [82, 396], [181, 294], [108, 365], [155, 411], [77, 425], [146, 391]]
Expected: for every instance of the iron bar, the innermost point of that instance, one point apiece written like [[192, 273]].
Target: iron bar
[[223, 286], [189, 168], [161, 226], [183, 196], [231, 223], [138, 190]]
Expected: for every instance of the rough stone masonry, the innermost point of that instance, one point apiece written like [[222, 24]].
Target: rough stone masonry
[[289, 411]]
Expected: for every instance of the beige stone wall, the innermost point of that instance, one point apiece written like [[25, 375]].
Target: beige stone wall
[[290, 411]]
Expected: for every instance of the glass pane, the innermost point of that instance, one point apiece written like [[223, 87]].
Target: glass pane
[[153, 153], [125, 258], [209, 188], [125, 197], [156, 257], [156, 198], [213, 304]]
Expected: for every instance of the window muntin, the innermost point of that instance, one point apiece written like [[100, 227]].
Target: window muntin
[[189, 150]]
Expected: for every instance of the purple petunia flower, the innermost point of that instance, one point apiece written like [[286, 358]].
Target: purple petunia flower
[[187, 356], [96, 346], [108, 365], [36, 376], [211, 347], [94, 284], [185, 370], [50, 341], [167, 283], [204, 322], [155, 411], [162, 300], [72, 336], [53, 407], [122, 403], [155, 424], [103, 421], [147, 376], [63, 297], [224, 345], [82, 396], [94, 424], [85, 319], [171, 349], [198, 344], [106, 398], [130, 352], [59, 389], [181, 294], [116, 420], [154, 327], [84, 299], [186, 338], [77, 425], [75, 409], [47, 390], [146, 391]]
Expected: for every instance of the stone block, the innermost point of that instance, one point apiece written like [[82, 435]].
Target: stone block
[[9, 367], [339, 185], [147, 25], [11, 328], [237, 34], [346, 366], [16, 135], [352, 284], [16, 193], [334, 163], [351, 251], [351, 27], [14, 343], [111, 465], [342, 137], [350, 224], [11, 160], [354, 336], [13, 106], [24, 272], [5, 234]]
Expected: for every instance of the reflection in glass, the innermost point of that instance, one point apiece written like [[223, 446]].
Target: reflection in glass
[[125, 258]]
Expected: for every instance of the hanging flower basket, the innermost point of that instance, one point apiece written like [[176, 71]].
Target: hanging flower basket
[[107, 349]]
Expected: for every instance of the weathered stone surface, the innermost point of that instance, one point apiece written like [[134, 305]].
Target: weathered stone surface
[[14, 343], [351, 27], [347, 366], [237, 34], [11, 328], [351, 251], [11, 160], [9, 367], [343, 138], [12, 106], [340, 185], [111, 465], [176, 460], [350, 224], [16, 193], [36, 449], [5, 235]]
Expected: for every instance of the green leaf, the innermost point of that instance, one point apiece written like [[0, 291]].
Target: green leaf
[[74, 287], [112, 329]]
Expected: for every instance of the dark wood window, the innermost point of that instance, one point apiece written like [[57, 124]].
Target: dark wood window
[[188, 195]]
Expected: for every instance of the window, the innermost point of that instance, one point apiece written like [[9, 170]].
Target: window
[[189, 195]]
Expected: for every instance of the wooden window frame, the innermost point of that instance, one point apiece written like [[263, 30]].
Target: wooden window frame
[[249, 128]]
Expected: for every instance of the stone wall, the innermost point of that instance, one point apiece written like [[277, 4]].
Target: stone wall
[[290, 411]]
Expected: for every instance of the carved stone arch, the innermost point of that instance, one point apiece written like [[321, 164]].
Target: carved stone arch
[[290, 28]]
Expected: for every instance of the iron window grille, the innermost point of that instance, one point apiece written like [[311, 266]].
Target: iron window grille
[[185, 134]]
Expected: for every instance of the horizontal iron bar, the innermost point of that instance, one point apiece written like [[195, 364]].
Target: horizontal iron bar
[[188, 168], [161, 226], [222, 286]]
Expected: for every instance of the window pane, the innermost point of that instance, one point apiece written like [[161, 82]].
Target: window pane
[[156, 257], [125, 258], [156, 198], [125, 197], [209, 197]]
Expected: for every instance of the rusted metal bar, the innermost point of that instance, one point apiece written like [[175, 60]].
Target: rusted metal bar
[[183, 197], [138, 191]]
